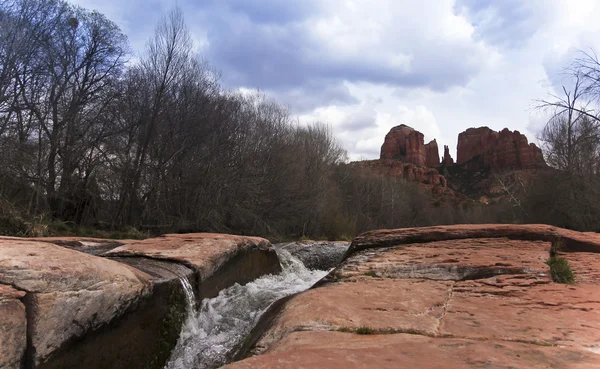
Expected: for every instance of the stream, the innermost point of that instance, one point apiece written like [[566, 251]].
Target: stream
[[210, 333]]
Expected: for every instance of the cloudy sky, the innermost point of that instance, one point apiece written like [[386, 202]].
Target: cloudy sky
[[364, 66]]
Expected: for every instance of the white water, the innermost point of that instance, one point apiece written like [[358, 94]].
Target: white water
[[223, 322]]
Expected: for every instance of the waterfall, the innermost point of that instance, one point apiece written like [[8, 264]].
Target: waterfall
[[210, 333]]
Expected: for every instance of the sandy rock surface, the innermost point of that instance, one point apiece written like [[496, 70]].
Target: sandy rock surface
[[465, 296]]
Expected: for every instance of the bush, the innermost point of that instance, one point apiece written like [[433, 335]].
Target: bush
[[560, 270], [365, 330], [11, 220]]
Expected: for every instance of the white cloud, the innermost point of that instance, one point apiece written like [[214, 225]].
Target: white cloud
[[364, 66]]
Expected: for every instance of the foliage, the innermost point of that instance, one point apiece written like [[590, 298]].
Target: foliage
[[560, 270], [365, 330]]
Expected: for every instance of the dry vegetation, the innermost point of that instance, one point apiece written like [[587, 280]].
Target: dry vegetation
[[92, 140]]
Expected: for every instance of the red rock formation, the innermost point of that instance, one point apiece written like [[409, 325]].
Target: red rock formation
[[406, 144], [432, 154], [467, 294], [483, 148], [447, 159], [408, 171]]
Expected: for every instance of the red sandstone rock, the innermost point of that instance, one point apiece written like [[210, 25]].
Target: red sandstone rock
[[68, 292], [572, 240], [456, 296], [337, 350], [405, 144], [447, 159], [432, 154], [483, 148], [13, 327], [395, 168]]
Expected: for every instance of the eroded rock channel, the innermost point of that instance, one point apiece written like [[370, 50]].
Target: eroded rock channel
[[473, 296]]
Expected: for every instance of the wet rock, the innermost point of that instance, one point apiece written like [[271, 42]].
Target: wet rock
[[13, 327], [321, 255], [218, 260]]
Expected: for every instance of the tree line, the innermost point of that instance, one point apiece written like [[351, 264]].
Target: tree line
[[569, 196], [92, 135]]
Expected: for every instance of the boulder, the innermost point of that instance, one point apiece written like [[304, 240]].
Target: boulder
[[13, 327], [320, 255], [482, 148], [464, 296], [123, 310], [68, 293], [218, 260]]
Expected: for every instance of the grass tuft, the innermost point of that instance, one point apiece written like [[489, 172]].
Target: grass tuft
[[560, 270], [365, 330]]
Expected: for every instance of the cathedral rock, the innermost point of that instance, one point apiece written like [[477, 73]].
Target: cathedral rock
[[408, 145], [483, 148], [478, 149]]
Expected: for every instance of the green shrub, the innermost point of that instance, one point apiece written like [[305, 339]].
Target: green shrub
[[365, 330], [560, 270]]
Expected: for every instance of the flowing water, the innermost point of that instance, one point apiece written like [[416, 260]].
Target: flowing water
[[211, 333]]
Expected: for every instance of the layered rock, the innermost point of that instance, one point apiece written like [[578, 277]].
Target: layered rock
[[464, 296], [483, 148], [219, 260], [406, 144], [399, 169], [432, 154], [62, 308], [67, 292], [13, 327], [319, 255]]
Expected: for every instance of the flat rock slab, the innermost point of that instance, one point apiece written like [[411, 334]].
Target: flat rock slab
[[458, 297], [204, 252], [68, 293], [13, 327], [450, 260], [93, 246], [403, 351], [379, 304], [527, 309], [572, 240]]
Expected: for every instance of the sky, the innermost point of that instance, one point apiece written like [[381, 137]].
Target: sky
[[365, 66]]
